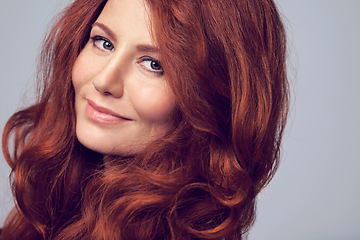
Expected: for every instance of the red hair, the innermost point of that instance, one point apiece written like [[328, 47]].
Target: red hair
[[225, 61]]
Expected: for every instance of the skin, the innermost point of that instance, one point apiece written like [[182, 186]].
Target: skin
[[122, 100]]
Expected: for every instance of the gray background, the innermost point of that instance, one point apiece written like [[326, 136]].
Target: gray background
[[316, 192]]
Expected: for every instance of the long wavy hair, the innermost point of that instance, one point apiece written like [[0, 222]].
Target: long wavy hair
[[226, 63]]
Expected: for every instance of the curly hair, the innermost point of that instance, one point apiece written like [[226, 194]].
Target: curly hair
[[226, 64]]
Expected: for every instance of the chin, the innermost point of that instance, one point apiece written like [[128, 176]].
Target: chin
[[104, 146]]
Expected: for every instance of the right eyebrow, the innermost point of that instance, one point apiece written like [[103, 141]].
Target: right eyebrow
[[106, 29]]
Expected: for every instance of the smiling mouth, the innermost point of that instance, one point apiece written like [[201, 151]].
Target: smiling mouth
[[102, 115]]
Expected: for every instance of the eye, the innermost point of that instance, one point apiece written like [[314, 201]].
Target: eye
[[152, 65], [102, 43]]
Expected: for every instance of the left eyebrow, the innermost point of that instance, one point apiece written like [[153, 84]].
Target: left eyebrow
[[105, 29], [147, 48]]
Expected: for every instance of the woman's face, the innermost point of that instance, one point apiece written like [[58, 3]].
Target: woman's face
[[122, 100]]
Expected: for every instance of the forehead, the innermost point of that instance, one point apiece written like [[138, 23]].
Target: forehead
[[127, 19]]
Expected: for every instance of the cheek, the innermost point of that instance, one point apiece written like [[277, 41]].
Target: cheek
[[77, 74], [155, 103], [82, 70]]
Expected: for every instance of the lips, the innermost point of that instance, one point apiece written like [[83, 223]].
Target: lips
[[103, 115]]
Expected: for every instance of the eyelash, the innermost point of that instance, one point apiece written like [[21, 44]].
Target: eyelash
[[97, 38], [96, 44], [159, 71]]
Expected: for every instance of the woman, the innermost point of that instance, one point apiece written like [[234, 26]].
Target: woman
[[156, 120]]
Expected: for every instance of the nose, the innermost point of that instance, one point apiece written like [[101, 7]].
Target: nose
[[110, 78]]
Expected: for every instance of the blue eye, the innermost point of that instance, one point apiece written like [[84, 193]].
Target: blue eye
[[102, 43], [155, 65], [151, 65]]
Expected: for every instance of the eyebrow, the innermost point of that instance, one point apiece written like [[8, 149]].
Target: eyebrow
[[147, 48], [140, 48], [105, 29]]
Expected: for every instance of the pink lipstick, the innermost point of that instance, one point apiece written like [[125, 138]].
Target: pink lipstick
[[102, 115]]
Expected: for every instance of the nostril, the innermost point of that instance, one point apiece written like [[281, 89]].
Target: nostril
[[106, 93], [107, 90]]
